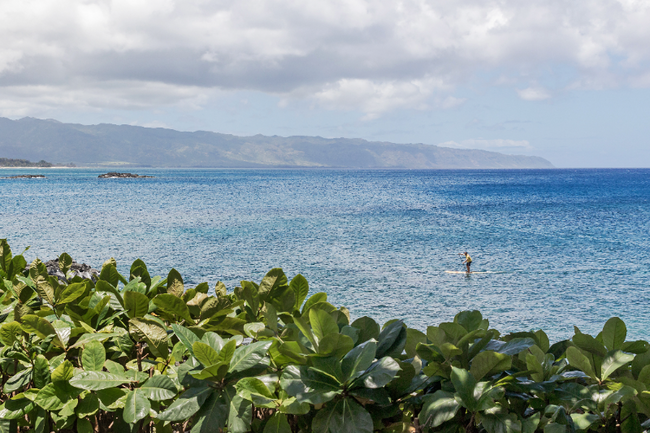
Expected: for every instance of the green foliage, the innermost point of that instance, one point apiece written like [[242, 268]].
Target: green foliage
[[148, 354]]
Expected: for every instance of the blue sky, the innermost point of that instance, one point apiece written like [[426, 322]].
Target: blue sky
[[568, 81]]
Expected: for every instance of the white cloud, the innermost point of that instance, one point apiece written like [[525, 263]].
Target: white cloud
[[374, 98], [495, 144], [18, 101], [374, 56], [533, 94]]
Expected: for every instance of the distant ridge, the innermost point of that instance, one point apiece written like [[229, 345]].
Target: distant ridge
[[125, 145]]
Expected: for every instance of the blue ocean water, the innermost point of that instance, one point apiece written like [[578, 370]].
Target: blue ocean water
[[566, 247]]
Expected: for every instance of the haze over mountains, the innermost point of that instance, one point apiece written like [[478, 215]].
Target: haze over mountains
[[125, 145]]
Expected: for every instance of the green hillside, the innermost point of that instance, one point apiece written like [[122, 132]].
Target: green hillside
[[125, 145]]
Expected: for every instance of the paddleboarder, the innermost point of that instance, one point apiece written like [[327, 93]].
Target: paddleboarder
[[468, 260]]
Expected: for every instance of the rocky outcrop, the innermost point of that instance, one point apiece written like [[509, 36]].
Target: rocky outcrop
[[114, 175], [25, 176], [76, 269]]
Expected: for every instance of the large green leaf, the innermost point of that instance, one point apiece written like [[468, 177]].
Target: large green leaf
[[109, 274], [391, 339], [303, 326], [16, 408], [613, 361], [308, 386], [186, 405], [9, 332], [437, 408], [139, 270], [174, 305], [516, 346], [84, 426], [335, 344], [322, 323], [214, 372], [41, 371], [159, 387], [578, 360], [380, 373], [583, 421], [367, 327], [464, 383], [136, 406], [313, 300], [31, 323], [453, 331], [71, 293], [63, 372], [342, 416], [100, 336], [644, 375], [240, 414], [5, 254], [38, 274], [212, 416], [535, 368], [136, 304], [111, 398], [248, 356], [413, 338], [93, 356], [614, 333], [489, 362], [18, 381], [501, 423], [64, 262], [300, 287], [104, 286], [63, 331], [253, 328], [187, 337], [55, 395], [589, 344], [88, 405], [470, 320], [153, 333], [96, 380], [273, 279], [213, 340], [135, 285], [254, 390], [277, 424], [205, 354], [175, 285], [358, 359]]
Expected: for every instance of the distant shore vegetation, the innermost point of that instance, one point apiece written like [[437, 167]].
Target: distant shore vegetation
[[24, 163], [84, 350]]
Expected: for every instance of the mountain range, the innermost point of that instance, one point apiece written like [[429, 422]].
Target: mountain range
[[126, 145]]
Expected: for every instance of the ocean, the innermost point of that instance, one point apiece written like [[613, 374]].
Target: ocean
[[563, 248]]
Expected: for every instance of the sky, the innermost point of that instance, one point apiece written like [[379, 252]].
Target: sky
[[565, 80]]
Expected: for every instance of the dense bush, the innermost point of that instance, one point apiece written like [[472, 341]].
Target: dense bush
[[143, 354]]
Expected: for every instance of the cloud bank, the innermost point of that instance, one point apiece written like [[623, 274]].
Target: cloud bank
[[371, 56]]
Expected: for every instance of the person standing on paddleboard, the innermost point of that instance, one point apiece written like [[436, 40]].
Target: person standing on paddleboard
[[468, 260]]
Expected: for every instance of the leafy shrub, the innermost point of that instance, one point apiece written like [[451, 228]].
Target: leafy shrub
[[147, 354]]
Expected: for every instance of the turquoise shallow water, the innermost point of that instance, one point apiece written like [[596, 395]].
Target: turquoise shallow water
[[568, 247]]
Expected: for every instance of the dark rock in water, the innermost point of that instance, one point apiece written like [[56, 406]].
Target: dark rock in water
[[76, 269], [114, 175], [25, 176]]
